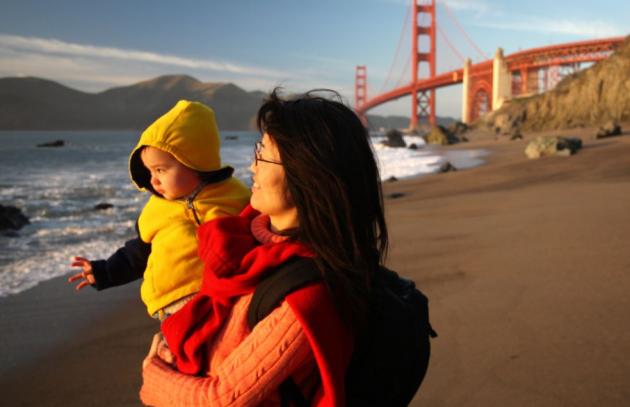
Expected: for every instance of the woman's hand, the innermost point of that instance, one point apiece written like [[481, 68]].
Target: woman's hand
[[86, 275], [159, 348]]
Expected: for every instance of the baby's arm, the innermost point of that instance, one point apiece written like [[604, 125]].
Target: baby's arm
[[124, 266]]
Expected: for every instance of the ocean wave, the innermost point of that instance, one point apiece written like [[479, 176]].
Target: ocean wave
[[24, 273], [58, 189]]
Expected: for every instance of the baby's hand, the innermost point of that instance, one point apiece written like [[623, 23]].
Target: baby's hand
[[86, 275], [159, 349]]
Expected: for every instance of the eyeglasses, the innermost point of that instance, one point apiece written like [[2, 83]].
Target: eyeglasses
[[257, 152]]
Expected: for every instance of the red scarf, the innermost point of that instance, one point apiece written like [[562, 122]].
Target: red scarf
[[234, 264]]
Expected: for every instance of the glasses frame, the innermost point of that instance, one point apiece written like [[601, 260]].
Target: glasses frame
[[258, 146]]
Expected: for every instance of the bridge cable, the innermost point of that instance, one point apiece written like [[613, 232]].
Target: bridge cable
[[454, 19], [400, 40], [405, 73], [451, 46]]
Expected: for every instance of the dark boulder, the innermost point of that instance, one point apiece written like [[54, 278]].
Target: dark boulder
[[457, 128], [56, 143], [394, 138], [573, 144], [103, 206], [552, 146], [446, 167], [441, 136], [12, 218], [609, 129]]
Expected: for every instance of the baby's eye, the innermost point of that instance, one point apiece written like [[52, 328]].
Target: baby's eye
[[159, 170]]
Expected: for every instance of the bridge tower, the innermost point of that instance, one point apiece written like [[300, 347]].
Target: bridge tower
[[360, 86], [360, 91], [422, 102]]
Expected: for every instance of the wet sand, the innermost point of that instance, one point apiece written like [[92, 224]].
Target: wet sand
[[62, 348], [526, 264]]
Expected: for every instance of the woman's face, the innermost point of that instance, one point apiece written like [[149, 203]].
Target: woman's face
[[270, 194]]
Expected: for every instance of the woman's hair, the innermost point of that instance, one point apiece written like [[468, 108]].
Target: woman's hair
[[333, 180]]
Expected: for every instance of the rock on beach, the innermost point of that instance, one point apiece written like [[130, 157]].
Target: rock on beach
[[56, 143], [552, 146], [609, 129], [394, 138], [12, 218]]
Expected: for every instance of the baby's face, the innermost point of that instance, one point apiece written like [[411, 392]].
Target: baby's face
[[169, 177]]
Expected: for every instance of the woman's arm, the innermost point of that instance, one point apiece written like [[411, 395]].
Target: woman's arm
[[251, 374]]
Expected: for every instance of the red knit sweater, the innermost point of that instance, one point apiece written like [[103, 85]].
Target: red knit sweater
[[246, 368]]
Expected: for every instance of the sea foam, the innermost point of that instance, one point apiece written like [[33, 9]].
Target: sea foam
[[58, 189]]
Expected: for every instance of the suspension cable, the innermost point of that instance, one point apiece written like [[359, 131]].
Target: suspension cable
[[400, 40], [451, 46], [405, 72], [454, 19]]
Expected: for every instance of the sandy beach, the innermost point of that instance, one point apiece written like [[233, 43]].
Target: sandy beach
[[526, 264]]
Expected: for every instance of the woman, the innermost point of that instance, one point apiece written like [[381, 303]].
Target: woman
[[315, 193]]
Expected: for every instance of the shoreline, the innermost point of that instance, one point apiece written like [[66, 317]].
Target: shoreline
[[62, 235], [67, 348], [524, 262]]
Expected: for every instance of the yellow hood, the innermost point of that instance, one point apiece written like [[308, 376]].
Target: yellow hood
[[189, 132]]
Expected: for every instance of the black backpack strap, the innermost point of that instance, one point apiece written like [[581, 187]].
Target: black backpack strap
[[270, 292]]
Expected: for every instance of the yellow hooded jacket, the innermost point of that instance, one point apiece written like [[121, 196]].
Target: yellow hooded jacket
[[189, 132]]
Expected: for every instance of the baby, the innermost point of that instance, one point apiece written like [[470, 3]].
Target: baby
[[177, 160]]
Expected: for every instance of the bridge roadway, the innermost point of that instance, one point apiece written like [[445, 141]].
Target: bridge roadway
[[535, 58]]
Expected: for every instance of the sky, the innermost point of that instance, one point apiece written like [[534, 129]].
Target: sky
[[299, 45]]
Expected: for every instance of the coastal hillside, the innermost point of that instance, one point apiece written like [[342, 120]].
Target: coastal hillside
[[40, 104], [590, 97]]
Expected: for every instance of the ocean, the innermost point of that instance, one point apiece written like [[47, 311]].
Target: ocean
[[57, 189]]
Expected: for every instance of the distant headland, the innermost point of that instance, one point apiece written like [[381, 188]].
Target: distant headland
[[32, 103]]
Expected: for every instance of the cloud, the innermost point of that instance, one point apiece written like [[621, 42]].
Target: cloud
[[56, 47], [585, 29], [92, 68]]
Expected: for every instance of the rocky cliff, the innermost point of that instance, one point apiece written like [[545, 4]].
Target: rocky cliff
[[590, 97]]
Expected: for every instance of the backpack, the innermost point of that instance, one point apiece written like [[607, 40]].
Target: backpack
[[390, 359]]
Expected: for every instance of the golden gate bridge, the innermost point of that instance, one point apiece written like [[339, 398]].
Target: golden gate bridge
[[486, 85]]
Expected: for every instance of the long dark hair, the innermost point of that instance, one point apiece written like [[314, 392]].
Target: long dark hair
[[333, 180]]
